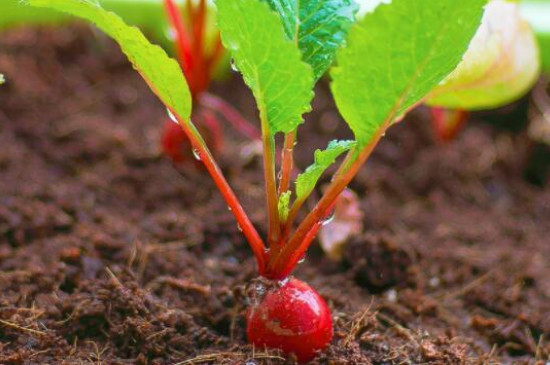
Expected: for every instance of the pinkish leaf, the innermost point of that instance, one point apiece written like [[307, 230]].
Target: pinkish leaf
[[346, 222]]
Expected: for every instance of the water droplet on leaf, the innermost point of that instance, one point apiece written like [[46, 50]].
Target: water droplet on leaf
[[234, 66], [196, 154], [172, 116]]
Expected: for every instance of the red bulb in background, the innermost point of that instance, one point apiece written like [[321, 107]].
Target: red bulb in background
[[177, 146], [175, 143], [293, 318]]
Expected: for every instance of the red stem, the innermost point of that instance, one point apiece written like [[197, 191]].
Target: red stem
[[198, 21], [288, 162], [248, 229], [183, 43], [274, 227], [231, 115], [282, 264]]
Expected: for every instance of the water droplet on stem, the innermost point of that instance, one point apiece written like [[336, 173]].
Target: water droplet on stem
[[329, 218], [283, 282]]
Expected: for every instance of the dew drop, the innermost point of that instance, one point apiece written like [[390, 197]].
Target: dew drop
[[172, 116], [239, 228], [170, 34], [234, 66], [391, 295], [283, 282], [260, 289], [328, 219], [196, 154], [302, 259], [279, 175], [229, 209]]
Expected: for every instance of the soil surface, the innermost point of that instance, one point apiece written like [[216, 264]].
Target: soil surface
[[111, 255]]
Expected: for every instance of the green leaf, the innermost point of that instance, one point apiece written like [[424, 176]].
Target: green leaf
[[284, 205], [270, 63], [319, 26], [162, 74], [306, 181], [396, 55], [500, 66]]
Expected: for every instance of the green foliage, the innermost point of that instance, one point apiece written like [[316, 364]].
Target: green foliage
[[270, 63], [319, 26], [162, 74], [500, 66], [148, 14], [284, 205], [306, 181], [396, 55]]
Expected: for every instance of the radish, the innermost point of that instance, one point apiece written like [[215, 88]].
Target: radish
[[292, 317], [389, 64]]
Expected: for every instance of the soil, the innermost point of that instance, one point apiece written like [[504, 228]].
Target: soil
[[111, 255]]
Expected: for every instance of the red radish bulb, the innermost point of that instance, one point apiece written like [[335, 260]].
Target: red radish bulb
[[293, 318]]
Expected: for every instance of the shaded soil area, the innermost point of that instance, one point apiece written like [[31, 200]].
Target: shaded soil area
[[110, 255]]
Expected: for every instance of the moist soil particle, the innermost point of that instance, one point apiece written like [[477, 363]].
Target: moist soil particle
[[111, 255]]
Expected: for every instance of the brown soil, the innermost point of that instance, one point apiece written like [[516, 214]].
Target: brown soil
[[109, 255]]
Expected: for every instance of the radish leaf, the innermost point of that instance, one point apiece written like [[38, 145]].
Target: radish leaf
[[271, 64], [319, 27], [162, 74], [396, 55], [306, 181], [284, 205]]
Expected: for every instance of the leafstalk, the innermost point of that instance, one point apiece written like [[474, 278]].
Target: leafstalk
[[280, 265], [231, 115], [287, 162], [183, 45], [270, 181], [248, 229], [198, 22]]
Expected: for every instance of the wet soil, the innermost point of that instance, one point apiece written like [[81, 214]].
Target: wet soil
[[110, 255]]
